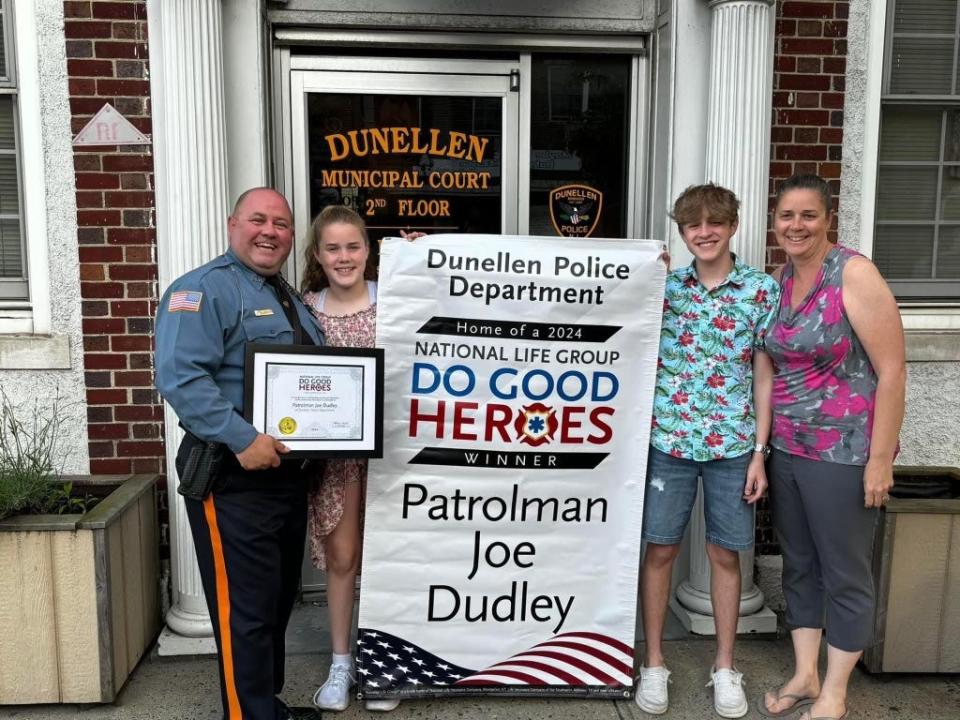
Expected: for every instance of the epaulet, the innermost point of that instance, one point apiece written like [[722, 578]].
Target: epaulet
[[199, 273]]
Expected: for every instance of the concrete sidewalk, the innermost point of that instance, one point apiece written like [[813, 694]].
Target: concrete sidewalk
[[187, 689]]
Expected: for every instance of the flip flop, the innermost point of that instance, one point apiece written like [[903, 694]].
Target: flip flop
[[799, 701], [829, 717]]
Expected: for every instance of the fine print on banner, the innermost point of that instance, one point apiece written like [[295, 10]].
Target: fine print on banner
[[503, 523]]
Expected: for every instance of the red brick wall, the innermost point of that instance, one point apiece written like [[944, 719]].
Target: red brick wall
[[810, 59], [106, 45]]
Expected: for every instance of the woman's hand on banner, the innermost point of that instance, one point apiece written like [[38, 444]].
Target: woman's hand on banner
[[412, 235]]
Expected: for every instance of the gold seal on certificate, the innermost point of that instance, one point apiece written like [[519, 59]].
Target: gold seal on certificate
[[321, 402]]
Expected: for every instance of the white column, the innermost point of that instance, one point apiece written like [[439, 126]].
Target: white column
[[190, 171], [738, 126], [691, 603], [246, 94], [738, 157], [694, 592]]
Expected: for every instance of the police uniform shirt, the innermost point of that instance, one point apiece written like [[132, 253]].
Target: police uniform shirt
[[204, 321]]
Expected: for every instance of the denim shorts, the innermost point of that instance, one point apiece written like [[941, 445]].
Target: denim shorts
[[672, 489]]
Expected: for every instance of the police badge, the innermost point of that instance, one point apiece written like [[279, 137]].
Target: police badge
[[575, 210]]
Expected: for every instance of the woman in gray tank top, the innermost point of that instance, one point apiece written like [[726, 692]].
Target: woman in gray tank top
[[838, 400]]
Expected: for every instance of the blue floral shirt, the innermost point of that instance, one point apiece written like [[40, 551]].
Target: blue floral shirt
[[703, 402]]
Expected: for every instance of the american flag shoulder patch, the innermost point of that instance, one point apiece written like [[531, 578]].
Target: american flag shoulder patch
[[185, 301]]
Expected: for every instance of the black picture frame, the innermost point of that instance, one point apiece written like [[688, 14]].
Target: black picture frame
[[260, 356]]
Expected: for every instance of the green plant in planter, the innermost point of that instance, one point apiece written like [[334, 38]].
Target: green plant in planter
[[30, 460]]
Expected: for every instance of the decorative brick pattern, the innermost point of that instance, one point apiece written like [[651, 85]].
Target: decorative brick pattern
[[810, 59], [107, 63]]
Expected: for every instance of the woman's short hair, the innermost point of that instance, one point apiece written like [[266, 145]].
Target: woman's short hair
[[719, 203], [808, 182]]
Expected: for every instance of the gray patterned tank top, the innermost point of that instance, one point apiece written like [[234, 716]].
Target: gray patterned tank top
[[824, 387]]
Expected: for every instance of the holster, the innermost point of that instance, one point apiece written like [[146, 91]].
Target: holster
[[201, 465]]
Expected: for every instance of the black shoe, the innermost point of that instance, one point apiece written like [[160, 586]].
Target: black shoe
[[302, 713]]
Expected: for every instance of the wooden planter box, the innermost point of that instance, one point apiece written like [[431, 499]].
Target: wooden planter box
[[917, 573], [79, 595]]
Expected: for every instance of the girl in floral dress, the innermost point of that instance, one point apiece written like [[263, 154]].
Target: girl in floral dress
[[339, 289]]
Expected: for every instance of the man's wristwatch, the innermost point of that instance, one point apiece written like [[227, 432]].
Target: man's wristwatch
[[762, 449]]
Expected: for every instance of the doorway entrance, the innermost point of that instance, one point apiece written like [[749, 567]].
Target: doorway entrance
[[532, 143]]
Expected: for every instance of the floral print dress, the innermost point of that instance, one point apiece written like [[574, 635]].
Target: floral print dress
[[325, 506]]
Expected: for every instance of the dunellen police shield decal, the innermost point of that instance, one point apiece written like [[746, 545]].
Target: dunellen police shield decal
[[575, 210]]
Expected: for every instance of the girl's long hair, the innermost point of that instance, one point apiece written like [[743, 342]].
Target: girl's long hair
[[314, 278]]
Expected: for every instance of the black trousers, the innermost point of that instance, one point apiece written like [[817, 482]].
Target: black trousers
[[249, 535]]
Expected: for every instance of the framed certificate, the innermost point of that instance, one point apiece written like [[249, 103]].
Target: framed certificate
[[319, 401]]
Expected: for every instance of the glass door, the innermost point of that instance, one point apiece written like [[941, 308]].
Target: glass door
[[428, 145], [552, 143]]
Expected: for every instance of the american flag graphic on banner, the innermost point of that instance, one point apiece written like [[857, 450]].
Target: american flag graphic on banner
[[583, 661]]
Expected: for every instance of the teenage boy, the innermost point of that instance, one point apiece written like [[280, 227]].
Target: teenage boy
[[711, 421]]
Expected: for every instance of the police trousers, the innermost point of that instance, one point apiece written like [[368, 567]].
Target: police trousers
[[249, 535]]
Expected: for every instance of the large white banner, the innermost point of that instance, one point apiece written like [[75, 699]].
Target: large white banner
[[502, 533]]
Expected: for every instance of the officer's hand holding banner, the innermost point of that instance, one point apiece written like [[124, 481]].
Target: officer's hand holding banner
[[503, 523]]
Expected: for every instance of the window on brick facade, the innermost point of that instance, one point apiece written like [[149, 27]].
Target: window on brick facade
[[917, 232], [13, 262]]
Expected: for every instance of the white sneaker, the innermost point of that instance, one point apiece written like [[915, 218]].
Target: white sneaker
[[651, 694], [334, 694], [383, 704], [729, 700]]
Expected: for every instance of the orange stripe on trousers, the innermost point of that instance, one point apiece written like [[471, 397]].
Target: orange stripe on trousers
[[223, 611]]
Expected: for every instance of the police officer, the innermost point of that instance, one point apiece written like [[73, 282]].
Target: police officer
[[249, 530]]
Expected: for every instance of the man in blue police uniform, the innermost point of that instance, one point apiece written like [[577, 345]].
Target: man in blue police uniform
[[249, 527]]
